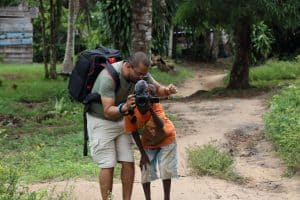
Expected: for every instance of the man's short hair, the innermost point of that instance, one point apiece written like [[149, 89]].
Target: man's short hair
[[139, 58]]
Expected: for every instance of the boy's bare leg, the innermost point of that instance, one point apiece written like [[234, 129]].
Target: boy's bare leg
[[106, 182], [127, 177], [167, 188], [146, 188]]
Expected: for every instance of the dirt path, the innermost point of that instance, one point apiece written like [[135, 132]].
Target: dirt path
[[233, 122]]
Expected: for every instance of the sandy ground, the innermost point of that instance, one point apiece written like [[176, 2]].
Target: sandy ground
[[234, 123]]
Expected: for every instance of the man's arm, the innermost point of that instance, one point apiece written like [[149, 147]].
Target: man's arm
[[164, 90], [111, 111]]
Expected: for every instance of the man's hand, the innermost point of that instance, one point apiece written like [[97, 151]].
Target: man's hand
[[170, 89], [130, 103], [144, 161]]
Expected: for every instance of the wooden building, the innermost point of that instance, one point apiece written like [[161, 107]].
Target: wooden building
[[16, 32]]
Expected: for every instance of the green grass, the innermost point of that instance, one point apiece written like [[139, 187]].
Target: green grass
[[41, 129], [46, 142], [176, 77], [275, 70], [273, 74], [12, 189], [210, 160], [282, 123]]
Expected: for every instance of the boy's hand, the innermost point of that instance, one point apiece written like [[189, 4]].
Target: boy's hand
[[144, 161]]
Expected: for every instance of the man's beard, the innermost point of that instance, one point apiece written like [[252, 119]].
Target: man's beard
[[129, 79]]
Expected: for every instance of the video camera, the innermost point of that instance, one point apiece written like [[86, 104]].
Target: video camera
[[142, 100]]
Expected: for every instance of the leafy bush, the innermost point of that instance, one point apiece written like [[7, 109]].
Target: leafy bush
[[283, 125], [210, 160], [116, 23], [261, 39], [298, 58], [10, 189]]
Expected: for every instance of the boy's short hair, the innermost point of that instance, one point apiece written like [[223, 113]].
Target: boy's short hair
[[142, 88]]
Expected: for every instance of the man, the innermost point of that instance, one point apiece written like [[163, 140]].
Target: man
[[155, 136], [104, 121]]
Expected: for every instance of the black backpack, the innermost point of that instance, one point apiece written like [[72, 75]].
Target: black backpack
[[86, 70]]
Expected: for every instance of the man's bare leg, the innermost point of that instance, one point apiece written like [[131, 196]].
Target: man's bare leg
[[127, 177], [146, 188], [106, 182], [167, 188]]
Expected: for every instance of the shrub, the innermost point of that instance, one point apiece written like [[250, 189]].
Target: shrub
[[210, 160], [10, 189], [283, 125], [261, 39]]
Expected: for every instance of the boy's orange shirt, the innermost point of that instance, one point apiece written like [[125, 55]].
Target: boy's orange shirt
[[146, 127]]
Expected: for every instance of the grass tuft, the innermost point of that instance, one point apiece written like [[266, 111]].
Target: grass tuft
[[210, 160]]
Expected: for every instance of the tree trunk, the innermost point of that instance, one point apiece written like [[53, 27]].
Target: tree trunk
[[170, 45], [45, 48], [215, 46], [53, 32], [212, 44], [174, 45], [69, 52], [239, 76], [141, 26]]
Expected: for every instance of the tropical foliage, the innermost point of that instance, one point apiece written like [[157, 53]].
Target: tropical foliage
[[261, 42], [240, 20], [115, 23], [162, 21]]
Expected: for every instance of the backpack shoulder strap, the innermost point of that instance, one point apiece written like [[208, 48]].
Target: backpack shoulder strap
[[114, 74]]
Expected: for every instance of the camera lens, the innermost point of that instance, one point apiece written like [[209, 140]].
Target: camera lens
[[141, 100]]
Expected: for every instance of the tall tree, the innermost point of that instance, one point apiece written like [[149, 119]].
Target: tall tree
[[141, 26], [53, 33], [55, 15], [162, 14], [44, 44], [239, 16], [69, 51]]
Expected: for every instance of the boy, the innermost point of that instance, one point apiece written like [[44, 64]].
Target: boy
[[154, 135]]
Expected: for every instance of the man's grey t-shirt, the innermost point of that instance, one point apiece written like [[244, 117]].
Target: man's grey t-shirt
[[105, 86]]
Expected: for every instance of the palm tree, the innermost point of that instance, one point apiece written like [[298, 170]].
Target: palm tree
[[141, 26]]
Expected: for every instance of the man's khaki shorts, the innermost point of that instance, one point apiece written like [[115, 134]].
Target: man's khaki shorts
[[108, 142]]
